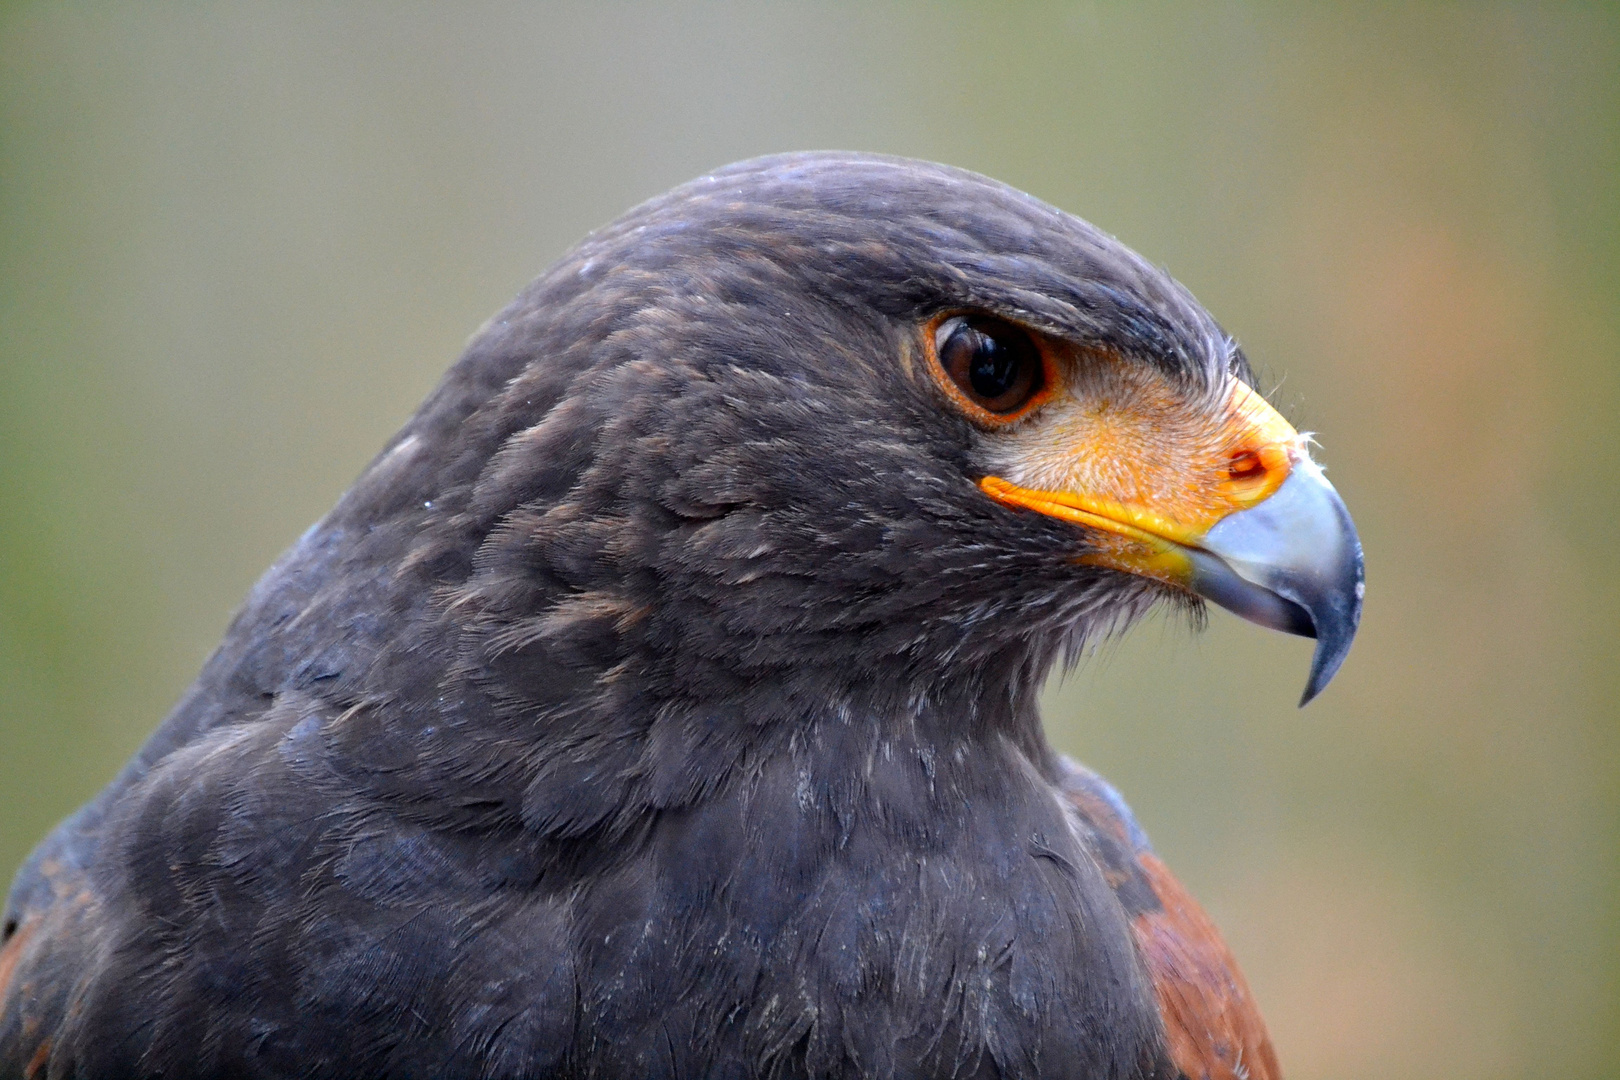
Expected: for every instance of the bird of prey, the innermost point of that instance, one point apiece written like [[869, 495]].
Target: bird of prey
[[662, 700]]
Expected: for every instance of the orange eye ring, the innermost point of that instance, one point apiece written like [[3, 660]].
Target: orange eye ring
[[1002, 354]]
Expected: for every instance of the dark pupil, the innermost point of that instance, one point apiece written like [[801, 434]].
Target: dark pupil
[[994, 368]]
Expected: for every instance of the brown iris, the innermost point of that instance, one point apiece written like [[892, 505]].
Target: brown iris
[[992, 364]]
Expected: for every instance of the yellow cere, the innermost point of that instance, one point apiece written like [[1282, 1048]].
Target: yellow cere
[[1126, 452]]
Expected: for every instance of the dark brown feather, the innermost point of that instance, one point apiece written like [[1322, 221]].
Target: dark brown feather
[[662, 701]]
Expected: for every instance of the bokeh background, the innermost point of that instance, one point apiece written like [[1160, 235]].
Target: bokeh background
[[239, 242]]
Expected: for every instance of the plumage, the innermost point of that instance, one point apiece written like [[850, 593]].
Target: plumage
[[661, 701]]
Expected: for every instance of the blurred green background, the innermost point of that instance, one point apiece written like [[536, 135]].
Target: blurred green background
[[240, 242]]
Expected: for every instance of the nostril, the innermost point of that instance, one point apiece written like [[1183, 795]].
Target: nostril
[[1245, 465]]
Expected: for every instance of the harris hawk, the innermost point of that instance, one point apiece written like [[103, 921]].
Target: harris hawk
[[662, 700]]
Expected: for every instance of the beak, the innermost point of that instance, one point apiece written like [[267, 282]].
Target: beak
[[1275, 546], [1292, 563]]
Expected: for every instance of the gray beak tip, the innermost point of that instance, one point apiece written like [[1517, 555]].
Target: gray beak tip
[[1292, 563], [1336, 621]]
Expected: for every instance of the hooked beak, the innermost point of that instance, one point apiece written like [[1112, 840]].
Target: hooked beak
[[1271, 542], [1292, 563]]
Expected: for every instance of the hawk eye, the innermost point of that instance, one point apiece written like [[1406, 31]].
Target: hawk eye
[[993, 363]]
